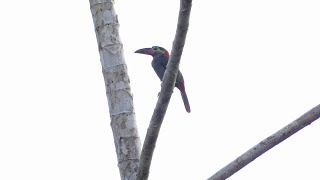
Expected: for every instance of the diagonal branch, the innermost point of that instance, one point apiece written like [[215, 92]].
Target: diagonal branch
[[267, 144], [167, 86]]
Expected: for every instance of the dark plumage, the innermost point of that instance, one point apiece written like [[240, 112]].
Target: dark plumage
[[159, 64]]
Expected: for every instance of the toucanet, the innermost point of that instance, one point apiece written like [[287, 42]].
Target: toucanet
[[159, 64]]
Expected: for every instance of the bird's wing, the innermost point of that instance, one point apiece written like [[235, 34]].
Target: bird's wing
[[159, 69]]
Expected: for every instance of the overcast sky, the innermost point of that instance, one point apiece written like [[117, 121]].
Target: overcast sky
[[250, 68]]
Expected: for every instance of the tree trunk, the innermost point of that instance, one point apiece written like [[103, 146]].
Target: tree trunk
[[114, 69]]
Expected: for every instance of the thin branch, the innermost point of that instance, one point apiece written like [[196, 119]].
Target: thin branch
[[267, 144], [166, 90]]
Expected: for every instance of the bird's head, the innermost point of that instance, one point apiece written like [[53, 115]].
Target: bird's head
[[155, 51]]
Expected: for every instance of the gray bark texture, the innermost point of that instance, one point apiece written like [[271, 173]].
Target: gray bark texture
[[167, 86], [267, 144], [120, 101]]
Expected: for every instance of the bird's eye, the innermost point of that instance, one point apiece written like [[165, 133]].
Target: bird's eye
[[155, 48]]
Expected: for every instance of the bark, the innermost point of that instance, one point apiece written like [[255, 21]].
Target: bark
[[267, 144], [117, 83], [166, 90]]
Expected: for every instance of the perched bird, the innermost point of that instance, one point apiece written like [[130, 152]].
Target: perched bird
[[159, 64]]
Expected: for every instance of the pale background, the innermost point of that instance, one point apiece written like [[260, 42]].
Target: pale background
[[250, 68]]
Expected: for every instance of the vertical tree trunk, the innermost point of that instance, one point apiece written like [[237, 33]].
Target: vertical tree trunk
[[114, 69]]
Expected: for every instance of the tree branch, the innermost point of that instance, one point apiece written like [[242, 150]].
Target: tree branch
[[267, 144], [166, 90]]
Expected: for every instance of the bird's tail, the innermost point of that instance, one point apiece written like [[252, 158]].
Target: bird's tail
[[185, 100]]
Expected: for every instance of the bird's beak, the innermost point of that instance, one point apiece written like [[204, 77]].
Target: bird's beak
[[148, 51]]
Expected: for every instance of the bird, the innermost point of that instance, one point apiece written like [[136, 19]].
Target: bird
[[159, 63]]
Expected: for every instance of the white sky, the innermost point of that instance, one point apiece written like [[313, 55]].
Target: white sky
[[250, 67]]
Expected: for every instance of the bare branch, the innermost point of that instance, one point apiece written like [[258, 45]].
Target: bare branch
[[166, 90], [114, 69], [267, 144]]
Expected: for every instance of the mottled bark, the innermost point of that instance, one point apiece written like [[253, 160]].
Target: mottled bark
[[267, 144], [166, 90], [120, 101]]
